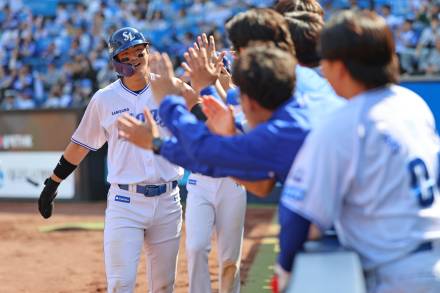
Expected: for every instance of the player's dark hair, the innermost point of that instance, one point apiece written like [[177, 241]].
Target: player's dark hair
[[259, 24], [305, 28], [265, 75], [364, 43], [284, 6]]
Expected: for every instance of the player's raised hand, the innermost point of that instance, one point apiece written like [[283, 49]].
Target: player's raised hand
[[165, 83], [138, 132], [220, 117], [200, 69], [209, 45]]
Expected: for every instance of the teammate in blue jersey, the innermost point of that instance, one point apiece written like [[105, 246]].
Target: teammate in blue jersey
[[275, 127], [372, 168]]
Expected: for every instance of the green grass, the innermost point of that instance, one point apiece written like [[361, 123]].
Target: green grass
[[72, 226], [261, 272]]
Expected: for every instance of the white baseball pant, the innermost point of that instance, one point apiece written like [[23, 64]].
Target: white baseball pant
[[154, 222], [219, 203]]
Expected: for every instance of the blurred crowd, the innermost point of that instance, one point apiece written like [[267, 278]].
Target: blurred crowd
[[59, 58]]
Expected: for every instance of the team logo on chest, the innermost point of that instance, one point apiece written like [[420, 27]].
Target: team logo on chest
[[154, 114]]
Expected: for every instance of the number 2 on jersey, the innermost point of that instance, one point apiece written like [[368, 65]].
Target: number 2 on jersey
[[422, 185]]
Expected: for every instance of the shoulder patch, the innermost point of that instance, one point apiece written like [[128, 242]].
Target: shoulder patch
[[293, 192]]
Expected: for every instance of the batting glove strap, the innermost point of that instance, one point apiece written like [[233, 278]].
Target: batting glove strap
[[51, 184], [63, 169]]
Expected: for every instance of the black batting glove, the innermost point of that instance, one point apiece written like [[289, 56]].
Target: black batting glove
[[45, 202]]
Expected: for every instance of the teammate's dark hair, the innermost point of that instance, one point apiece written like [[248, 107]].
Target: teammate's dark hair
[[284, 6], [364, 43], [265, 75], [259, 24], [305, 28]]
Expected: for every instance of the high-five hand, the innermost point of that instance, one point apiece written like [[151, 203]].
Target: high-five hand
[[220, 117], [165, 83], [202, 70]]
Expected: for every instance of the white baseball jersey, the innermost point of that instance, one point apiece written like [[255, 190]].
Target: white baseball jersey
[[371, 170], [127, 163]]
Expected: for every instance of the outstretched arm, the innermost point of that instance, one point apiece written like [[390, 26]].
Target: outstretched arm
[[142, 134]]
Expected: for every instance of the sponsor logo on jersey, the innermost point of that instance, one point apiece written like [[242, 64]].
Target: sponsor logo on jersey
[[294, 193], [121, 198], [192, 181], [120, 111]]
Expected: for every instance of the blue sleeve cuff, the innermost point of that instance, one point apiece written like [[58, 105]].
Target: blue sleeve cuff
[[172, 99], [209, 90], [232, 97], [167, 107]]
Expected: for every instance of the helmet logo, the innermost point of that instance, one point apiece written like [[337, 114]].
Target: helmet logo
[[128, 36]]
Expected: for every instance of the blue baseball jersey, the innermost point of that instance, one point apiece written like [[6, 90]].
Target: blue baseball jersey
[[266, 151]]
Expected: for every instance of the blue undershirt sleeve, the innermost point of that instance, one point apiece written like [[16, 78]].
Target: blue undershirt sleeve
[[294, 231], [255, 151]]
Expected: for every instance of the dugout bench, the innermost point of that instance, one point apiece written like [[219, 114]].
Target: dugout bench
[[325, 267]]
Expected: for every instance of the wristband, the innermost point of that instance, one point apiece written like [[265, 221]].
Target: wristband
[[196, 110], [157, 145], [64, 168]]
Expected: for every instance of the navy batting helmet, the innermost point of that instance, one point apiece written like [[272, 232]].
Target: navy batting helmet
[[121, 40]]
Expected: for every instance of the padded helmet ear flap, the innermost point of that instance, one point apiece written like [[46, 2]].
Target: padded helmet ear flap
[[123, 69]]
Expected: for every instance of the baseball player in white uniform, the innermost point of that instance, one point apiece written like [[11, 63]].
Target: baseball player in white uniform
[[143, 206], [208, 207], [220, 204], [372, 169]]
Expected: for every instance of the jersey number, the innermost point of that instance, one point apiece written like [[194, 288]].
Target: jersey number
[[422, 185]]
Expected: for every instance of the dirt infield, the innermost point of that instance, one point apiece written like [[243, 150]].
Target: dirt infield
[[72, 261]]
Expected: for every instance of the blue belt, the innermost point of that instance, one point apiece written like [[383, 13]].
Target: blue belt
[[424, 246], [149, 190]]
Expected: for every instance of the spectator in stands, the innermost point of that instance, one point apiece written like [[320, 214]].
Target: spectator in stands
[[431, 65], [24, 101], [54, 99], [406, 41], [427, 39], [51, 78], [393, 21], [8, 101]]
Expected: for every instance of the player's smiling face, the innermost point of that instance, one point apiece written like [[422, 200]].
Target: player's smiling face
[[136, 56]]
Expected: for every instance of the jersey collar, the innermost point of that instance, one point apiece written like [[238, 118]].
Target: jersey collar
[[132, 92]]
